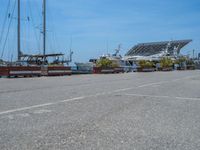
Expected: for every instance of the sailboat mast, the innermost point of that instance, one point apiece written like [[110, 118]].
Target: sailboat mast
[[18, 33], [44, 29]]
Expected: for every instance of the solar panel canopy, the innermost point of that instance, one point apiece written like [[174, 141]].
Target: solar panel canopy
[[148, 49]]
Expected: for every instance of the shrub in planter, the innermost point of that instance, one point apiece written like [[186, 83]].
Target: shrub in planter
[[181, 61], [104, 63], [190, 64], [115, 64], [108, 66], [166, 63], [146, 65]]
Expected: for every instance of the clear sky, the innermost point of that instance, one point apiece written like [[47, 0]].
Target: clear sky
[[98, 26]]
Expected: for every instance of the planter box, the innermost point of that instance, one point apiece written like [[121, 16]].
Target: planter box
[[146, 69], [4, 71], [99, 70], [119, 70], [181, 68], [58, 70], [167, 69], [31, 71], [190, 67], [25, 71], [20, 71]]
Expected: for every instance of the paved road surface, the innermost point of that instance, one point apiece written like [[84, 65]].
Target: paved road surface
[[140, 111]]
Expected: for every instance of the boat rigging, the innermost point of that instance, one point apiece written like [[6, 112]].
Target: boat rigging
[[32, 59]]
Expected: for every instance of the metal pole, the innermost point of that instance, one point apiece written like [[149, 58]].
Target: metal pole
[[44, 30], [193, 53], [18, 33]]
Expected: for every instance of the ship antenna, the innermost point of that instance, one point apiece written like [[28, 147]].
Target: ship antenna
[[44, 31], [71, 52], [18, 33]]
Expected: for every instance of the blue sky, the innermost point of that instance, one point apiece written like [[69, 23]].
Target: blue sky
[[96, 26]]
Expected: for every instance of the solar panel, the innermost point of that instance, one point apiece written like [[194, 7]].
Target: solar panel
[[147, 49]]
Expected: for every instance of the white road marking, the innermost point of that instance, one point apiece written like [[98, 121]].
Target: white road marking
[[150, 84], [125, 89], [144, 95], [99, 94], [72, 99], [13, 116], [39, 106], [161, 96], [188, 98], [25, 108]]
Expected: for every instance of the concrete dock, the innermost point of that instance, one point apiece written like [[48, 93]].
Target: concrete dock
[[136, 111]]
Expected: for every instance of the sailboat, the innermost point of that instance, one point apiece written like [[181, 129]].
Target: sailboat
[[31, 65], [40, 59]]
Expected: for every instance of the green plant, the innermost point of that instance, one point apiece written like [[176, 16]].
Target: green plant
[[146, 64], [190, 62], [166, 62], [104, 63], [181, 60], [115, 64]]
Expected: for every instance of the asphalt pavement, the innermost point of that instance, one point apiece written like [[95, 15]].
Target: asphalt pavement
[[131, 111]]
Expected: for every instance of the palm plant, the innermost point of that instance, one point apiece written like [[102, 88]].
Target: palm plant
[[181, 60], [146, 64], [166, 62], [190, 62], [106, 63]]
